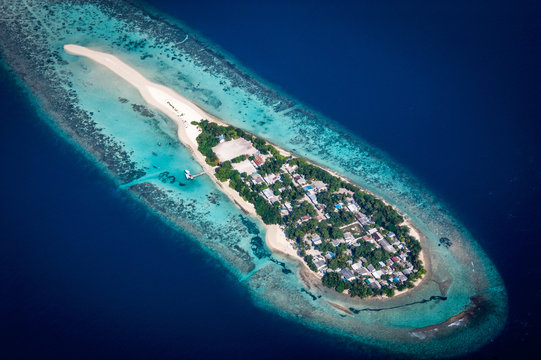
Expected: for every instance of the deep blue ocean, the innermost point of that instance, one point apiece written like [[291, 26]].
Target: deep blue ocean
[[450, 90]]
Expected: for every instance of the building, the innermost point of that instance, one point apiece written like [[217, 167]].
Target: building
[[320, 263], [348, 237], [369, 239], [373, 283], [357, 266], [316, 240], [299, 179], [312, 198], [258, 160], [257, 179], [353, 208], [377, 274], [337, 242], [387, 247], [288, 206], [371, 268], [347, 274], [363, 271], [271, 178], [362, 218], [267, 193], [319, 185], [288, 168]]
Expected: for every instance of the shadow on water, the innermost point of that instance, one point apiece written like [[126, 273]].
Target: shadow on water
[[432, 298]]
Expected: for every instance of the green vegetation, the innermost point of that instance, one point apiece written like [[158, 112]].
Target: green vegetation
[[310, 262], [373, 256], [383, 215], [272, 165], [361, 289], [238, 159], [269, 214]]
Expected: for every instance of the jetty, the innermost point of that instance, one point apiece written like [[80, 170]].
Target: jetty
[[191, 176]]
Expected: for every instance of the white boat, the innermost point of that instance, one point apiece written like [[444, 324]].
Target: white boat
[[189, 176]]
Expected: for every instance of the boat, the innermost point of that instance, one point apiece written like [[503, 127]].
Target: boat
[[155, 154], [189, 176]]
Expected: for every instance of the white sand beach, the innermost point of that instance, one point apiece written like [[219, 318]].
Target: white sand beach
[[183, 112]]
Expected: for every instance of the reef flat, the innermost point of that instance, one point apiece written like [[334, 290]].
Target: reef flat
[[462, 302]]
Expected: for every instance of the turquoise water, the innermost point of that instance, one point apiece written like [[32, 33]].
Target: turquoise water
[[78, 94]]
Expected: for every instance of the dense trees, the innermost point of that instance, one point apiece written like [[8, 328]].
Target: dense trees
[[383, 215], [331, 279], [286, 180], [238, 159], [310, 262], [356, 288], [209, 138], [340, 218], [272, 165], [225, 171], [367, 251], [292, 194], [360, 288], [269, 214]]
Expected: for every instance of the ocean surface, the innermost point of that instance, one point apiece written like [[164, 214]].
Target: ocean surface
[[448, 91]]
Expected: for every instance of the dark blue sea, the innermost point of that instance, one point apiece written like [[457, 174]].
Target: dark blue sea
[[450, 90]]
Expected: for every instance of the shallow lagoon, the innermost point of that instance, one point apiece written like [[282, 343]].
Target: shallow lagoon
[[166, 55]]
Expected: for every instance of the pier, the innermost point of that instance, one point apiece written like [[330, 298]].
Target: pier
[[191, 176]]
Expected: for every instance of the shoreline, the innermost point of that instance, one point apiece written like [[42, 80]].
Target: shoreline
[[169, 102]]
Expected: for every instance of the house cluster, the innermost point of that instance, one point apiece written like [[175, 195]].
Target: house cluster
[[395, 266], [381, 274]]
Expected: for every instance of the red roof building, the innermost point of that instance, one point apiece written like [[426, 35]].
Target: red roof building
[[258, 160]]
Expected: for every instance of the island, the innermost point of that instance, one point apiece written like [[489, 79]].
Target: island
[[252, 193], [351, 239]]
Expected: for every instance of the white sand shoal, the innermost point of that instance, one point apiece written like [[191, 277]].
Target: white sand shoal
[[183, 112]]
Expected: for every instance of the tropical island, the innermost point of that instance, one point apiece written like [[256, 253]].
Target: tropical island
[[351, 239], [142, 136]]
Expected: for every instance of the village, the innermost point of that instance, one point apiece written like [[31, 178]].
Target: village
[[344, 234]]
